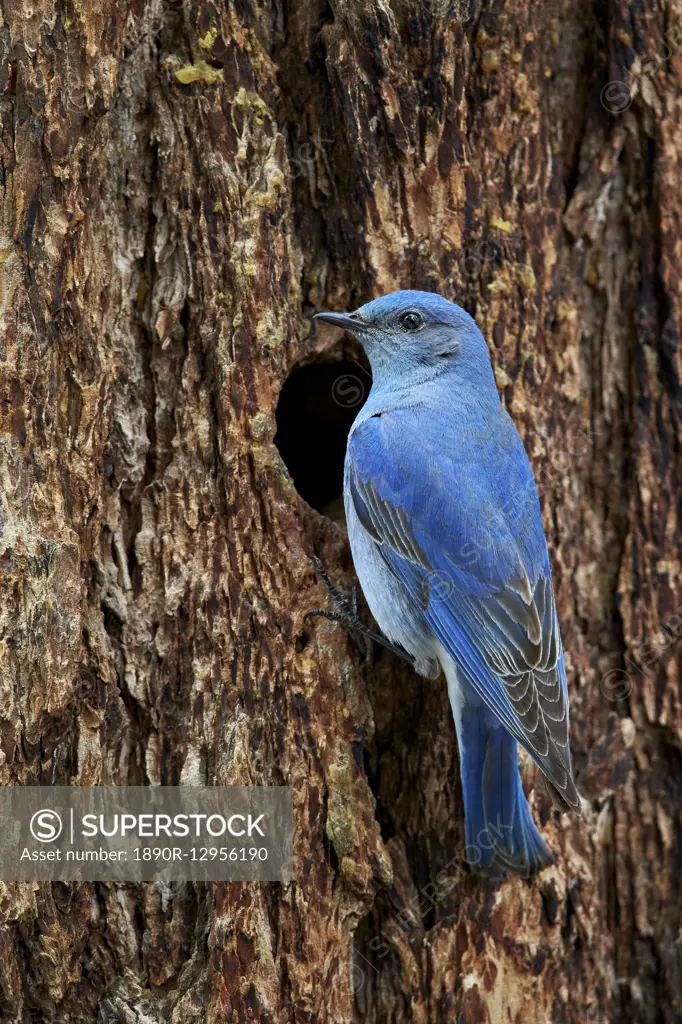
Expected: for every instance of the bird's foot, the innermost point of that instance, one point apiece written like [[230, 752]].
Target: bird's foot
[[346, 614]]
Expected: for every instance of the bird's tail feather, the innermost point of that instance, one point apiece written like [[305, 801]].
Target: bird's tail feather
[[502, 838]]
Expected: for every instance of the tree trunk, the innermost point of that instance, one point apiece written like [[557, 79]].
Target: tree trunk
[[183, 185]]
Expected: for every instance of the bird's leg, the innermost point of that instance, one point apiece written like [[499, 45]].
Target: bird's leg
[[346, 614]]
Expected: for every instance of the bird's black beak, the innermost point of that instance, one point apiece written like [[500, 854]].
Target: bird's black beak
[[348, 321]]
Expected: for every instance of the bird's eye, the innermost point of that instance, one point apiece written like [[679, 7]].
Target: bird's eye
[[410, 321]]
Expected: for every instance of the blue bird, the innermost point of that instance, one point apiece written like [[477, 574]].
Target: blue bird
[[448, 544]]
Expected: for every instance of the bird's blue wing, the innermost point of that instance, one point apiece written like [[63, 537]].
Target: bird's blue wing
[[460, 528]]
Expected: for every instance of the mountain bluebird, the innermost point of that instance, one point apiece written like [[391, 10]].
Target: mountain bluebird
[[447, 539]]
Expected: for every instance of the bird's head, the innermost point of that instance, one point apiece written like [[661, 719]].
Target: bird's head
[[416, 335]]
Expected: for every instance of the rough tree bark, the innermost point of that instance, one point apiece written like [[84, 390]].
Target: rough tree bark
[[183, 184]]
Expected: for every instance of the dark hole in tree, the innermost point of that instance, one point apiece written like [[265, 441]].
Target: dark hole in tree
[[316, 409]]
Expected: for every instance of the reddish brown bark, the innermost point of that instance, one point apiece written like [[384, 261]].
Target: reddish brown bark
[[183, 184]]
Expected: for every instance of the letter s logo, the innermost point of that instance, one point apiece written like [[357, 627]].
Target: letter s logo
[[46, 825]]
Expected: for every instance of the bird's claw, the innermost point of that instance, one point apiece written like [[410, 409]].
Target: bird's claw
[[347, 615]]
